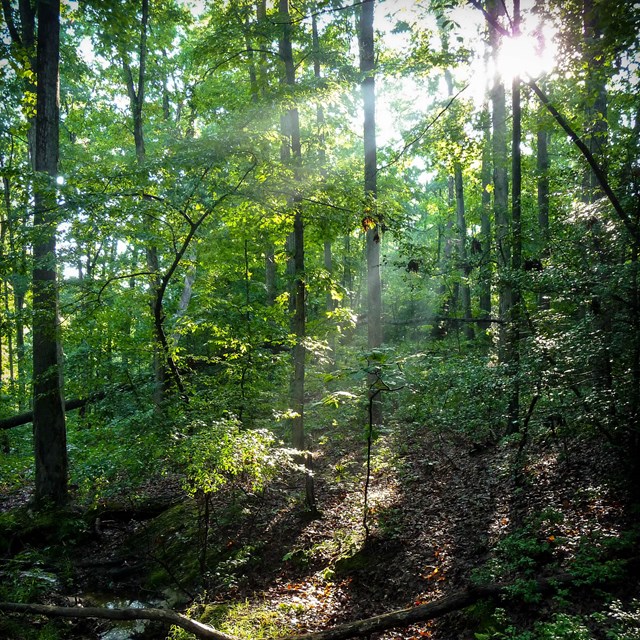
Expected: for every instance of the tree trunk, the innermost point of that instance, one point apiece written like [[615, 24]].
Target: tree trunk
[[596, 140], [500, 180], [136, 93], [485, 225], [374, 230], [542, 165], [516, 244], [291, 131], [24, 40], [50, 442], [347, 272], [270, 273], [465, 290], [401, 618]]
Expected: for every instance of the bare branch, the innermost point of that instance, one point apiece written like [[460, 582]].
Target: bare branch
[[401, 618], [422, 133], [8, 18], [199, 629], [595, 167]]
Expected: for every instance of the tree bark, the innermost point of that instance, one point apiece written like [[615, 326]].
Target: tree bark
[[461, 223], [394, 619], [374, 228], [542, 165], [199, 629], [136, 93], [50, 441], [69, 405], [485, 224], [291, 132], [513, 418], [500, 178]]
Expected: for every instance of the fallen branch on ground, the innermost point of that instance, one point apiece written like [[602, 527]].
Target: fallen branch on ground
[[69, 405], [402, 618], [424, 612], [199, 629]]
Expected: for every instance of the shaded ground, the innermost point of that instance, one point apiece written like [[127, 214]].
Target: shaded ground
[[440, 510]]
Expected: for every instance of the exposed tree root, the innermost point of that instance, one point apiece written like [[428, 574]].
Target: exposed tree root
[[401, 618]]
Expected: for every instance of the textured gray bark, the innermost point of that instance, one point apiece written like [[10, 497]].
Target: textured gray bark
[[485, 225], [515, 325], [50, 443], [542, 166]]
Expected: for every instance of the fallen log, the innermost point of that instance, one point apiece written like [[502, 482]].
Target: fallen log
[[69, 405], [27, 416], [199, 629], [424, 612], [400, 618]]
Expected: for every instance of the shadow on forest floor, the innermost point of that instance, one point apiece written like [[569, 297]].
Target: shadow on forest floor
[[440, 510]]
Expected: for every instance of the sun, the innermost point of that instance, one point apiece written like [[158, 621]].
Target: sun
[[523, 56]]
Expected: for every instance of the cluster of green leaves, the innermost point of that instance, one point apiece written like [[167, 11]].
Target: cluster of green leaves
[[457, 392], [618, 621], [523, 554], [215, 453]]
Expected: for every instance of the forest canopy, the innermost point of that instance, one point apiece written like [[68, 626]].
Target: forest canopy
[[310, 256]]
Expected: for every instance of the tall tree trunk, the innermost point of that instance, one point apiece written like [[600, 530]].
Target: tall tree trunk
[[322, 161], [50, 441], [23, 38], [465, 289], [347, 271], [448, 299], [260, 78], [263, 82], [136, 92], [374, 230], [19, 295], [516, 243], [270, 273], [596, 140], [542, 165], [500, 180], [485, 225], [298, 322]]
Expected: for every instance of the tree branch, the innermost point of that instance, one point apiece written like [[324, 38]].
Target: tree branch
[[11, 25], [199, 629], [422, 133], [399, 618], [69, 405], [595, 167]]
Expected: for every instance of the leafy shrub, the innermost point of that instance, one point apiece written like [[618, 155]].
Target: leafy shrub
[[523, 552], [219, 452]]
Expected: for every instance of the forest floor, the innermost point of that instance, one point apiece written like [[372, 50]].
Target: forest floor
[[443, 512]]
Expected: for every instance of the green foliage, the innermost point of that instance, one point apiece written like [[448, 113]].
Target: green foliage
[[600, 557], [562, 627], [523, 554], [216, 453], [617, 621], [243, 619], [27, 579], [622, 622], [113, 452], [455, 392]]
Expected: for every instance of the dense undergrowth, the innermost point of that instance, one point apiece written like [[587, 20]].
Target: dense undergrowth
[[198, 511]]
